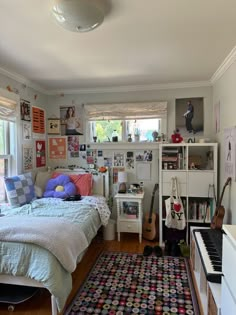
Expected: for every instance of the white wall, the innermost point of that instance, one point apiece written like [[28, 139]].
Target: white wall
[[52, 106], [224, 91], [169, 95]]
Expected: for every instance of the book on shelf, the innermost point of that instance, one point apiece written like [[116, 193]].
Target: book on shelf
[[200, 211], [170, 151]]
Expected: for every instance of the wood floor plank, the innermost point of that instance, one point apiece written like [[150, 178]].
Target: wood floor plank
[[41, 303]]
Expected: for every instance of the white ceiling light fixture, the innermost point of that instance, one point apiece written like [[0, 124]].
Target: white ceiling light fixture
[[77, 15]]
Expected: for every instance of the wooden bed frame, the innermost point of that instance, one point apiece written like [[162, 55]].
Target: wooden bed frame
[[100, 187]]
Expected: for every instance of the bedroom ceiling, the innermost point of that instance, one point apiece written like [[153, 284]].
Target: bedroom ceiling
[[154, 42]]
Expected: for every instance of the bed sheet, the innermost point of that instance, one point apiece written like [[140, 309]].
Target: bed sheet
[[37, 263]]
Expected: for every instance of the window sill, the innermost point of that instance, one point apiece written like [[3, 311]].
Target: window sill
[[124, 145]]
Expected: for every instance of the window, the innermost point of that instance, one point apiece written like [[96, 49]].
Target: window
[[127, 119], [103, 129], [7, 141]]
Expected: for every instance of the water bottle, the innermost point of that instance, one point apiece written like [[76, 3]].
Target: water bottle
[[114, 136]]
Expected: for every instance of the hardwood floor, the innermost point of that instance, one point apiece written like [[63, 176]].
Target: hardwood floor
[[41, 303]]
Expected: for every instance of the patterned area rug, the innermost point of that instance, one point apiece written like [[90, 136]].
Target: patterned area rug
[[126, 283]]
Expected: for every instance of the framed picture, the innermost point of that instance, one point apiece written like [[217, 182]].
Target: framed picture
[[190, 116], [53, 126]]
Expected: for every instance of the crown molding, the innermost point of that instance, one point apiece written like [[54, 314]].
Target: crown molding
[[23, 80], [114, 89], [134, 88], [229, 60]]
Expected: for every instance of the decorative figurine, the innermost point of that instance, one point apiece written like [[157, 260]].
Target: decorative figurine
[[176, 137], [155, 135]]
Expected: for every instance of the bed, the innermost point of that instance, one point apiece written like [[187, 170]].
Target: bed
[[29, 254]]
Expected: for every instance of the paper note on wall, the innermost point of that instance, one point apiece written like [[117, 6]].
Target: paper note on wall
[[143, 171]]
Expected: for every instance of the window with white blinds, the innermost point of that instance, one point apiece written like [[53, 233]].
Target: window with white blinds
[[126, 119]]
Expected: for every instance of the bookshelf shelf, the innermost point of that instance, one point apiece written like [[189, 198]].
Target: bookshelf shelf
[[195, 166]]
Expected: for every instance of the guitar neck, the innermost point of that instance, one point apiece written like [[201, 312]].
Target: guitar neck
[[223, 191], [152, 200]]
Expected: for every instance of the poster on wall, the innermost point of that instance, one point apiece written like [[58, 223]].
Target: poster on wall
[[115, 173], [26, 131], [27, 157], [71, 122], [189, 118], [38, 120], [57, 148], [129, 161], [119, 159], [229, 152], [73, 146], [25, 110], [40, 153]]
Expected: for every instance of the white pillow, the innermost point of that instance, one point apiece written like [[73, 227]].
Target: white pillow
[[41, 180]]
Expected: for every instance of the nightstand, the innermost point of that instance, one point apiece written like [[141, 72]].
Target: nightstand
[[129, 213]]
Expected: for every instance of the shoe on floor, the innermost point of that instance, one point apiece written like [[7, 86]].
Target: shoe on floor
[[147, 250], [157, 251]]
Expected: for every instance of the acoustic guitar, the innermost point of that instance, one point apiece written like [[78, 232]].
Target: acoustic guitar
[[217, 219], [150, 222]]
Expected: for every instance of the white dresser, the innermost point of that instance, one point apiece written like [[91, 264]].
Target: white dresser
[[228, 285]]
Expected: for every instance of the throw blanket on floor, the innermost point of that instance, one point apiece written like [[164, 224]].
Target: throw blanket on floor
[[62, 238]]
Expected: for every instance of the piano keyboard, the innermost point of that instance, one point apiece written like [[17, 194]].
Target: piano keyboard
[[209, 242]]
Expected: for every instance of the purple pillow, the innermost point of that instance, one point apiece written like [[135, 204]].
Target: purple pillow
[[60, 187]]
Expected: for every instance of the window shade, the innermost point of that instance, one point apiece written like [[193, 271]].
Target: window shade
[[125, 111], [7, 109]]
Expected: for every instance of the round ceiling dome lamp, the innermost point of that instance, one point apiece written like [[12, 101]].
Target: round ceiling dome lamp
[[77, 15]]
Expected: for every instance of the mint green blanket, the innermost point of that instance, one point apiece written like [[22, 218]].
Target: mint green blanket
[[35, 262]]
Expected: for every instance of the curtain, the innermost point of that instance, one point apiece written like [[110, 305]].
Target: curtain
[[125, 111], [7, 109]]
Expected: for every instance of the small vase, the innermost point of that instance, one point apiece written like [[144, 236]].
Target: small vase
[[155, 135]]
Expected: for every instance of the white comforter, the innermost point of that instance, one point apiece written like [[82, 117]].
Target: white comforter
[[63, 239]]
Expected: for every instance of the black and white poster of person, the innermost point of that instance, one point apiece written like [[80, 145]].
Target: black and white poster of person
[[189, 114], [25, 110]]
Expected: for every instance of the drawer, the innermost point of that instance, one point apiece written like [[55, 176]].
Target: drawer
[[129, 227], [167, 175], [166, 182], [166, 189], [229, 263], [199, 182], [228, 305]]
